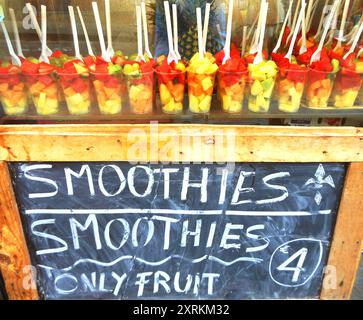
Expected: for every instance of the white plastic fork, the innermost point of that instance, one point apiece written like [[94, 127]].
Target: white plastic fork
[[36, 26], [14, 58]]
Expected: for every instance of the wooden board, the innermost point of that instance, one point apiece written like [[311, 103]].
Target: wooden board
[[90, 143], [14, 256], [347, 242], [187, 142]]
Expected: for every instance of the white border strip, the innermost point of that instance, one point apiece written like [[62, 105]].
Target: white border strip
[[173, 212]]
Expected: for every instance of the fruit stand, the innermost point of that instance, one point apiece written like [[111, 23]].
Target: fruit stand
[[229, 108]]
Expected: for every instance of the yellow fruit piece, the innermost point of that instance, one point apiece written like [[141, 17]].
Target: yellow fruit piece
[[205, 104], [193, 103], [256, 88], [207, 83]]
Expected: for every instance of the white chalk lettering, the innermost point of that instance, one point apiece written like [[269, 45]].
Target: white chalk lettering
[[75, 225], [68, 282], [102, 283], [168, 221], [166, 173], [195, 234], [203, 185], [84, 169], [131, 181], [227, 236], [126, 234], [211, 234], [142, 281], [239, 188], [45, 235], [161, 282], [120, 176], [211, 277], [285, 193], [256, 237], [87, 283], [119, 282], [224, 179], [150, 232], [187, 286], [27, 169]]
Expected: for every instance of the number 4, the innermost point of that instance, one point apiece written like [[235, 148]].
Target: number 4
[[284, 266]]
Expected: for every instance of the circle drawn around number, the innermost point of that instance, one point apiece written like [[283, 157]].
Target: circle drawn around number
[[312, 273]]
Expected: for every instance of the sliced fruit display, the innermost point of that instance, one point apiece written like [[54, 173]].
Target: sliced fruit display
[[262, 82], [140, 85], [107, 84], [232, 77], [201, 77], [291, 82], [348, 82], [74, 78], [320, 83], [13, 93], [171, 79], [42, 83]]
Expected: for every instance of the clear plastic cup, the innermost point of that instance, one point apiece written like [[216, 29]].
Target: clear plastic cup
[[231, 90], [43, 89], [290, 87], [141, 92], [319, 88], [200, 91], [77, 93], [171, 89], [346, 88], [108, 92], [13, 94], [261, 86]]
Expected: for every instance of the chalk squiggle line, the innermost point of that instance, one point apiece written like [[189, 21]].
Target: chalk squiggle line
[[156, 263]]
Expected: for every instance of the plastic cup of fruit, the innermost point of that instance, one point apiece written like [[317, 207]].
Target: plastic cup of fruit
[[171, 89], [200, 91], [291, 83], [231, 90], [43, 89], [13, 94], [108, 92], [319, 88], [77, 93], [262, 79], [346, 88], [141, 92]]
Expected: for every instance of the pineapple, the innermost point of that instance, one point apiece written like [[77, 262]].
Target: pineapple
[[187, 22]]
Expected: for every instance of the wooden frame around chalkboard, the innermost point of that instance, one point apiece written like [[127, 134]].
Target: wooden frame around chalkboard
[[76, 143]]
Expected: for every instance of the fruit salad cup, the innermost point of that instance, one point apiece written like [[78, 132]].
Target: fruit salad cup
[[108, 92], [321, 79], [232, 77], [346, 88], [231, 90], [42, 83], [348, 82], [319, 88], [140, 84], [74, 78], [106, 78], [171, 80], [13, 94], [291, 83], [262, 82], [201, 78]]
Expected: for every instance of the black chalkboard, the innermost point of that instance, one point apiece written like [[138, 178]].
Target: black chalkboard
[[181, 231]]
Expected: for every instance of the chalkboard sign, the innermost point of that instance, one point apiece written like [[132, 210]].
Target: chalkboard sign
[[180, 231]]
